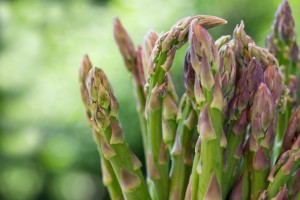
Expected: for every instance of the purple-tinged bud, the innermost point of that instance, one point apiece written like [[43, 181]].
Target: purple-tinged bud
[[273, 79], [135, 161], [125, 44], [251, 77], [282, 38], [240, 44], [189, 76]]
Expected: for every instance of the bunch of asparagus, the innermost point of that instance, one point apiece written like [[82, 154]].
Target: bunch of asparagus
[[234, 133]]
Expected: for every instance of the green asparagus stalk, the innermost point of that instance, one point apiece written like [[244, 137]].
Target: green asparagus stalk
[[284, 169], [104, 108], [250, 79], [109, 178], [241, 190], [263, 125], [181, 151], [282, 43], [160, 63], [210, 121], [133, 62], [108, 175]]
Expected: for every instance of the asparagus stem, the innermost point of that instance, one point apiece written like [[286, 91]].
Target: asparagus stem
[[210, 120], [133, 62], [289, 162], [241, 191], [194, 178], [108, 174], [251, 77], [282, 43], [160, 63], [263, 122], [104, 108], [181, 160]]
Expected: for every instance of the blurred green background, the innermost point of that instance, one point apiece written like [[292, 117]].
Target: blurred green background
[[46, 148]]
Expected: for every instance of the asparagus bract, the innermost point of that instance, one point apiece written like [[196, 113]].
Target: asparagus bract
[[263, 125], [282, 43]]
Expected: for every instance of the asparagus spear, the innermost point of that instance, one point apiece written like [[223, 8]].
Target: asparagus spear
[[161, 60], [239, 44], [282, 43], [108, 175], [148, 45], [274, 81], [104, 108], [228, 75], [133, 62], [284, 169], [210, 121], [181, 151], [263, 125], [251, 77]]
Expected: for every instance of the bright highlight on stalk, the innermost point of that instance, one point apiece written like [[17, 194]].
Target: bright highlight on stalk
[[233, 134]]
